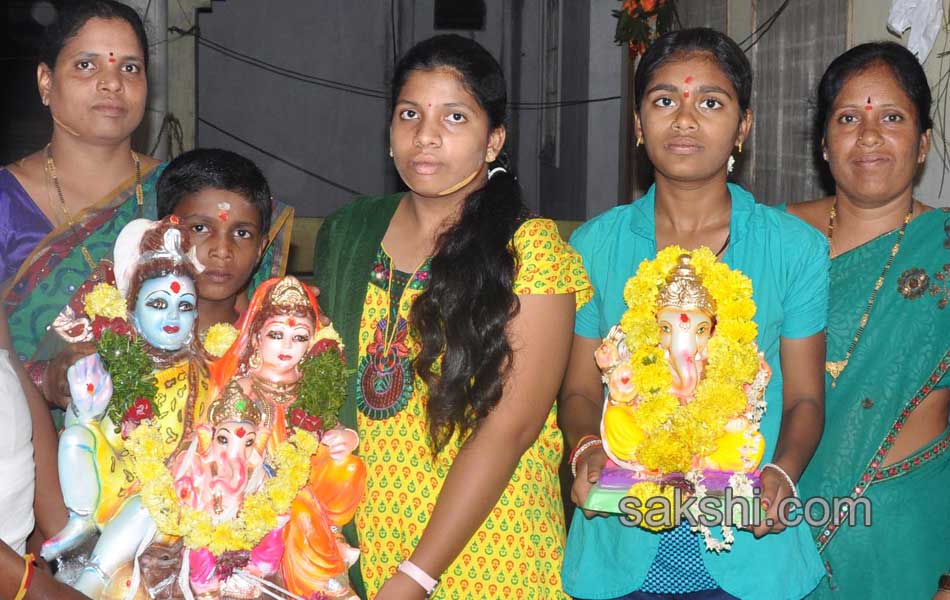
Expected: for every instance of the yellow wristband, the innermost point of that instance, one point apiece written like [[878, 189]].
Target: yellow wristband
[[27, 577]]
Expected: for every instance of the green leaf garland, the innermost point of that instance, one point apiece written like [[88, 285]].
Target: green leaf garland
[[132, 373], [323, 386]]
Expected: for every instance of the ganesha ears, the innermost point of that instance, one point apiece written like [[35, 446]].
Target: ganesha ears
[[203, 435]]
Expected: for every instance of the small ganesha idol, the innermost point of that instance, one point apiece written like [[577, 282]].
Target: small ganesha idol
[[685, 385]]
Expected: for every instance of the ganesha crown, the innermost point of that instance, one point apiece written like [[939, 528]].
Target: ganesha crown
[[684, 290]]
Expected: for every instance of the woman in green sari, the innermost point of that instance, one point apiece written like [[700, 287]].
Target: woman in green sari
[[886, 435]]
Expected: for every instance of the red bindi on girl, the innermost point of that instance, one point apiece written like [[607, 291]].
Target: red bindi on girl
[[292, 322], [111, 57], [868, 106], [176, 287]]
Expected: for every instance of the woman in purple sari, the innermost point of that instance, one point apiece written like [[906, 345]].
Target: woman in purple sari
[[62, 206]]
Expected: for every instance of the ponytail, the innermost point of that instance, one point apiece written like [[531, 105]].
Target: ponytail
[[463, 315]]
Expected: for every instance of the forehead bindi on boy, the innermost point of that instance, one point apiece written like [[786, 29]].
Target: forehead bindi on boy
[[686, 83]]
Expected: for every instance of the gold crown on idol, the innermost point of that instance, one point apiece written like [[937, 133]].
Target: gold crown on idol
[[289, 293], [684, 290], [233, 405]]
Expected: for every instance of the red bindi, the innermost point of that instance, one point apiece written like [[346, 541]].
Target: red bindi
[[111, 57], [174, 220], [292, 322], [240, 432], [688, 80], [223, 216], [684, 318], [176, 287], [686, 94]]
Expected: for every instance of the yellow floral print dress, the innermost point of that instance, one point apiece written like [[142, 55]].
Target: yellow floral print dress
[[517, 551]]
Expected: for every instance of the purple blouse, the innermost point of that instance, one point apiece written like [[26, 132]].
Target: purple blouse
[[22, 225]]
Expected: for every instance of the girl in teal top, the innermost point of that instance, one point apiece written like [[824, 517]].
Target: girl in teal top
[[692, 90]]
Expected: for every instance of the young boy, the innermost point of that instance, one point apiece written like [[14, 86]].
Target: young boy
[[224, 202]]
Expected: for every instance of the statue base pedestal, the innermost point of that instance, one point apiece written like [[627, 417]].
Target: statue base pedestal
[[615, 482]]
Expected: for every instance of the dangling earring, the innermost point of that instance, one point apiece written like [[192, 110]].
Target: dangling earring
[[390, 153], [740, 147], [639, 141], [731, 164], [255, 362]]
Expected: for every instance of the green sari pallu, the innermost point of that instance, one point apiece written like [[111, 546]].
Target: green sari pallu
[[46, 293], [902, 356]]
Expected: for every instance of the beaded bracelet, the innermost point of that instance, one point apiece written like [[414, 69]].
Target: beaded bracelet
[[585, 442], [788, 479], [580, 443], [414, 572], [27, 577]]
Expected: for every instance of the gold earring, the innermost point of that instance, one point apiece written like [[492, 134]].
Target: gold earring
[[255, 362], [740, 147], [639, 141]]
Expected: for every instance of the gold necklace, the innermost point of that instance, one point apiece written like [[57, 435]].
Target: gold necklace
[[280, 393], [392, 326], [836, 367], [51, 174]]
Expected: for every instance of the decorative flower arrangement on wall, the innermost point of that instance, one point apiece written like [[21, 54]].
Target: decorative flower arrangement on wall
[[640, 22]]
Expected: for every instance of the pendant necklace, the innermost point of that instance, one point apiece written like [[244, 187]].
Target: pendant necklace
[[836, 367]]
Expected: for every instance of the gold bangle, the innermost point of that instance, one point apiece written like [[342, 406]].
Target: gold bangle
[[27, 577]]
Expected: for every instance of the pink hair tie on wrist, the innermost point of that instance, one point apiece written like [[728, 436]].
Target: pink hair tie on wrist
[[411, 570]]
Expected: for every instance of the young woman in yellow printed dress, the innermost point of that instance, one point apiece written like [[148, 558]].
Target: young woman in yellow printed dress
[[456, 309]]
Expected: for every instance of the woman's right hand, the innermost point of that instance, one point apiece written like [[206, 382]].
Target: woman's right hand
[[589, 465], [55, 382]]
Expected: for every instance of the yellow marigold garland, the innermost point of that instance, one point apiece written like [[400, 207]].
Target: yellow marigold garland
[[105, 300], [219, 338], [673, 435], [258, 514]]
